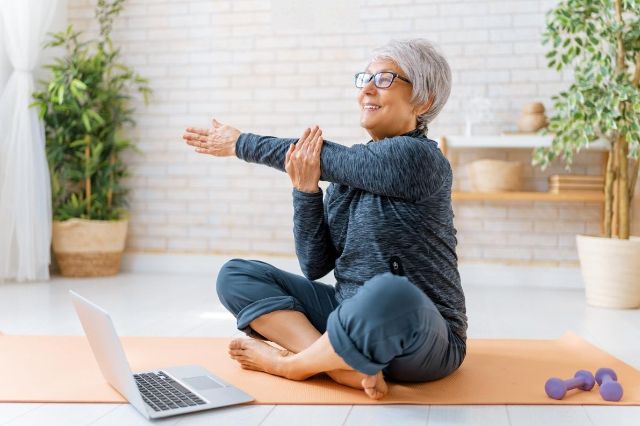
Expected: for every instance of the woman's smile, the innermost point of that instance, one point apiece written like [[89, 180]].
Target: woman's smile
[[371, 108]]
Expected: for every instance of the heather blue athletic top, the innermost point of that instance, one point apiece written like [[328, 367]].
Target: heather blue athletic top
[[387, 209]]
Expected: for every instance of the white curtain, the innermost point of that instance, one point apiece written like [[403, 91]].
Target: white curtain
[[4, 63], [25, 194]]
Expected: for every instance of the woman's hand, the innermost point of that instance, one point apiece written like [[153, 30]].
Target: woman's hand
[[220, 140], [302, 161]]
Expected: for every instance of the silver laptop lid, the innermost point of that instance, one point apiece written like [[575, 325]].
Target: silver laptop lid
[[107, 349]]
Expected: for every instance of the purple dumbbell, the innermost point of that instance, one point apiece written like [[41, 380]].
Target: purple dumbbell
[[610, 389], [557, 388]]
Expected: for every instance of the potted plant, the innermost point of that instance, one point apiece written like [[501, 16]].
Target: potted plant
[[85, 107], [600, 41]]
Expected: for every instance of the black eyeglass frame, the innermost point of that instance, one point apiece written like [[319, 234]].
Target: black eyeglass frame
[[374, 77]]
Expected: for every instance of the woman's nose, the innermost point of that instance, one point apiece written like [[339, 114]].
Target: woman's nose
[[369, 87]]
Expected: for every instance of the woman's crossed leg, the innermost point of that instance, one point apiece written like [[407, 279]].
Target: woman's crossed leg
[[388, 318]]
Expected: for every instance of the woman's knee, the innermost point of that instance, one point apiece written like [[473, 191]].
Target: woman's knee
[[227, 275], [235, 279], [394, 292], [386, 300]]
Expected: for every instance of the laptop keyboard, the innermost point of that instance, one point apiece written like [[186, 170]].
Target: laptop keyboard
[[163, 393]]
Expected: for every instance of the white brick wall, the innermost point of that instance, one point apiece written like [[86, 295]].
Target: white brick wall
[[277, 66]]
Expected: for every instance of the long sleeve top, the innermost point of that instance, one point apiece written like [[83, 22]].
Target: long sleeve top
[[387, 209]]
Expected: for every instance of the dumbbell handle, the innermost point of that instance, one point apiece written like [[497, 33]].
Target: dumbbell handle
[[606, 379], [574, 382]]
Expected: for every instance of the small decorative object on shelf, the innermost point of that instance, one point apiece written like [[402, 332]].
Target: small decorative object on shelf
[[476, 110], [532, 118], [562, 183], [496, 175]]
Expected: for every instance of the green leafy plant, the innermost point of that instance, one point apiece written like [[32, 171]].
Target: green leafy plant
[[86, 107], [600, 39]]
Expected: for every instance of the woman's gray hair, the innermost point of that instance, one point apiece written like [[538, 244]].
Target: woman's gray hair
[[427, 69]]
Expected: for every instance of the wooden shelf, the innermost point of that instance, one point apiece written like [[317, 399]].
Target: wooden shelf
[[568, 196], [513, 140]]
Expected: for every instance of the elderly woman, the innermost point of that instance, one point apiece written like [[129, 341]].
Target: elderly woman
[[385, 227]]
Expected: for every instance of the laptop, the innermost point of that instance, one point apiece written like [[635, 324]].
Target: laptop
[[155, 394]]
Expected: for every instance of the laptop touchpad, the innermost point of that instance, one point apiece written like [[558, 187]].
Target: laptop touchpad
[[201, 382]]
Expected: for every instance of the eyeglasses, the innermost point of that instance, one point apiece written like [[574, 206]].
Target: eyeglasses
[[382, 80]]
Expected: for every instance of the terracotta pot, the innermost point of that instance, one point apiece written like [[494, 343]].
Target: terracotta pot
[[610, 271], [86, 248]]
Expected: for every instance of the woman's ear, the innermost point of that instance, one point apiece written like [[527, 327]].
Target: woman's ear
[[421, 109]]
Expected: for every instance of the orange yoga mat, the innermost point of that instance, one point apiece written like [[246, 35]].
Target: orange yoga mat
[[63, 369]]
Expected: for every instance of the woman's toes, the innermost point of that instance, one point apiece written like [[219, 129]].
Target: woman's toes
[[369, 382], [370, 392], [374, 386], [236, 344], [374, 393]]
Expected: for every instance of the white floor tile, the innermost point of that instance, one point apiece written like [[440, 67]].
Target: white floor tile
[[477, 415], [246, 415], [613, 416], [63, 414], [11, 411], [385, 415], [536, 415], [125, 414], [309, 415]]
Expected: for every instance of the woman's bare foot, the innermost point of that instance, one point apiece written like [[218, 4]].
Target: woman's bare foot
[[374, 386], [253, 354], [349, 378]]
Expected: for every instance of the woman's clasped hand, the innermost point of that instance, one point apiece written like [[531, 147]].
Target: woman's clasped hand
[[302, 161]]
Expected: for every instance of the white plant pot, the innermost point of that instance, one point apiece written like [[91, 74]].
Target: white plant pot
[[610, 270]]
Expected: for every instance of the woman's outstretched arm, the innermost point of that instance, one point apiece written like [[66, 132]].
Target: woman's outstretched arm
[[401, 166]]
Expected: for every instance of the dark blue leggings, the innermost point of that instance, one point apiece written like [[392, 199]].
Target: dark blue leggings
[[388, 325]]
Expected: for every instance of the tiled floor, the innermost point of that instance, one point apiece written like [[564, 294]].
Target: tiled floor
[[186, 305]]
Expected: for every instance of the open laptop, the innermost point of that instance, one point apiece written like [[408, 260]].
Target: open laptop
[[155, 394]]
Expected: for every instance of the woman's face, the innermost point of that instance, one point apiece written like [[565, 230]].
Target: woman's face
[[387, 112]]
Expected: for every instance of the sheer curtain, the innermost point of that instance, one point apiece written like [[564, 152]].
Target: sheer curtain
[[5, 66], [25, 194]]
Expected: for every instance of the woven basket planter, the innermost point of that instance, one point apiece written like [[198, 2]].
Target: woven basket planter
[[89, 248], [495, 175], [610, 271]]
